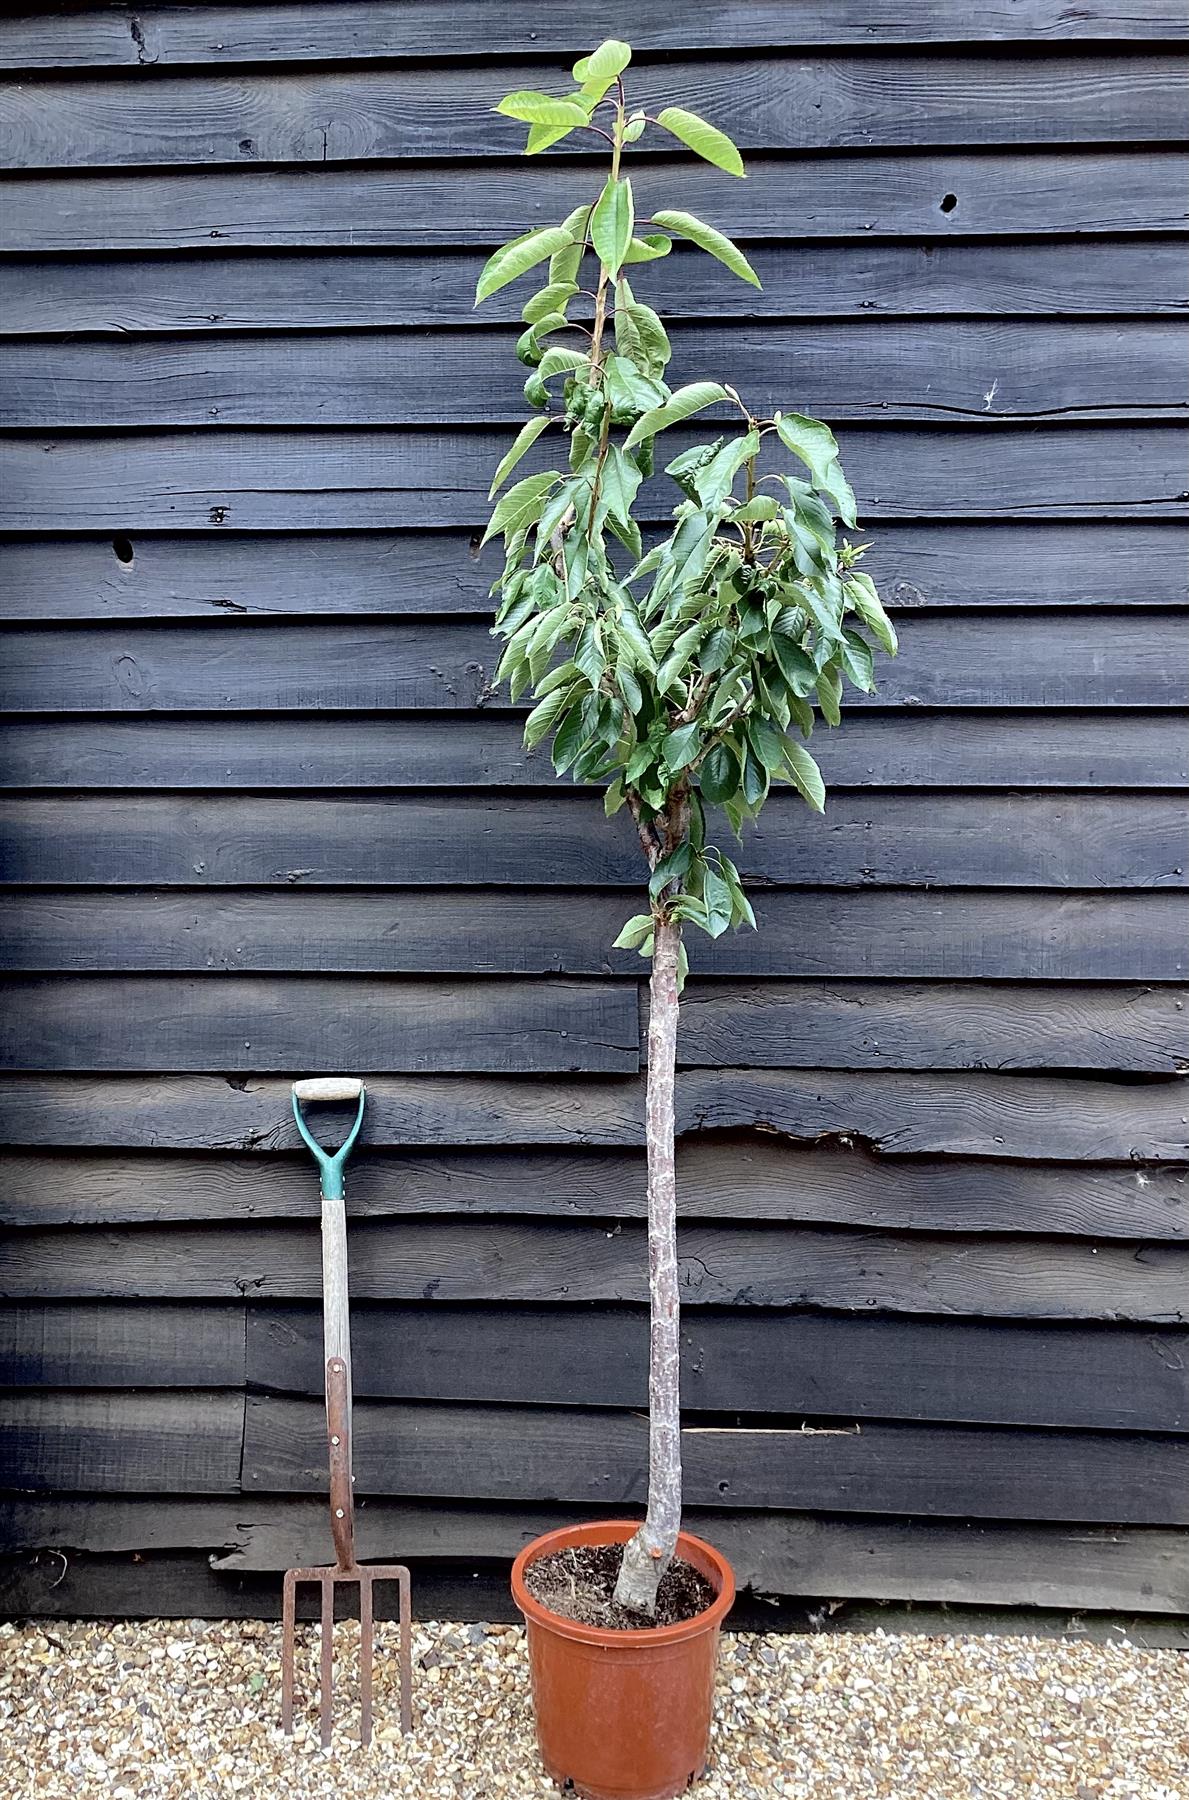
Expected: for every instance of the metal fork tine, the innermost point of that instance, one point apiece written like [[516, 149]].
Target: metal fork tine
[[365, 1658], [288, 1651], [326, 1676]]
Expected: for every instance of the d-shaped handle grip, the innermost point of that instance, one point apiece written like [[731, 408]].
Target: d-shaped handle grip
[[330, 1162]]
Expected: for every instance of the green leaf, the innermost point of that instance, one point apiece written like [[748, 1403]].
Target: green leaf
[[767, 743], [681, 746], [511, 260], [525, 438], [621, 480], [839, 491], [635, 932], [719, 775], [613, 799], [534, 108], [761, 507], [611, 223], [571, 735], [671, 867], [550, 299], [693, 398], [544, 715], [543, 137], [809, 439], [755, 779], [706, 141], [652, 335], [521, 504], [717, 897], [647, 248], [595, 73], [857, 662], [793, 664], [829, 696], [716, 651], [707, 238], [860, 591], [805, 774]]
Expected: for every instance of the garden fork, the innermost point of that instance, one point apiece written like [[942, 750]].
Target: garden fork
[[345, 1571]]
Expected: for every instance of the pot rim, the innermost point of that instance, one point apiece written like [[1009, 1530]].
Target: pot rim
[[618, 1531]]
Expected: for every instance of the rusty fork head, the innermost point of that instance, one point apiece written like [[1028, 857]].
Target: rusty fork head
[[365, 1577], [345, 1572]]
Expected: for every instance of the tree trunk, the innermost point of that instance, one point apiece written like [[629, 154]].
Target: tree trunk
[[648, 1554]]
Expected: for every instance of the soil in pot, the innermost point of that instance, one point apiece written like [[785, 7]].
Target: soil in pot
[[579, 1583]]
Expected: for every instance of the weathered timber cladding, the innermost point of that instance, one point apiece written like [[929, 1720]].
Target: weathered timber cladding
[[262, 814]]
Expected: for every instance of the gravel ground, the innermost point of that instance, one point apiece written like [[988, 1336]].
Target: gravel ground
[[188, 1710]]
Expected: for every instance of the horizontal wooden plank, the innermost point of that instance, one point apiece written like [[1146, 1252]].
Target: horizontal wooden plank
[[721, 1178], [853, 100], [891, 934], [279, 576], [968, 1115], [780, 1024], [182, 1442], [182, 1585], [863, 839], [817, 1364], [774, 1553], [396, 30], [285, 480], [971, 659], [900, 1114], [287, 291], [877, 750], [865, 370], [525, 1027], [553, 1454], [570, 1262], [993, 193], [85, 1345], [774, 1025]]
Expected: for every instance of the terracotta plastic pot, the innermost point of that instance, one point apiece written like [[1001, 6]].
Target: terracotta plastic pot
[[623, 1715]]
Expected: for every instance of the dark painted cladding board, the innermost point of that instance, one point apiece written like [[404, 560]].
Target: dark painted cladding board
[[877, 750], [862, 840], [991, 1255], [783, 1362], [528, 1260], [314, 480], [732, 1180], [122, 1442], [277, 576], [83, 1345], [852, 100], [993, 193], [525, 1027], [1030, 1118], [955, 1471], [874, 370], [289, 290], [973, 658], [398, 29], [774, 1552], [885, 934]]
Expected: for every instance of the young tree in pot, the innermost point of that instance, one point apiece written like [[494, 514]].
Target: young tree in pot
[[680, 675]]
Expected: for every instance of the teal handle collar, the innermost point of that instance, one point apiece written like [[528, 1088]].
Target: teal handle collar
[[331, 1162]]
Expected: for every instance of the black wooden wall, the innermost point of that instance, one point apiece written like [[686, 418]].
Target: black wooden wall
[[264, 816]]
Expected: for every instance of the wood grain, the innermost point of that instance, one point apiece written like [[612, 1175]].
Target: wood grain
[[333, 575], [862, 840], [84, 1345], [289, 290], [1032, 1118], [974, 659], [122, 1442], [527, 1027], [995, 193], [950, 1471], [397, 29], [776, 1553], [780, 1362], [721, 1265], [720, 1179], [869, 371], [391, 751], [853, 100]]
